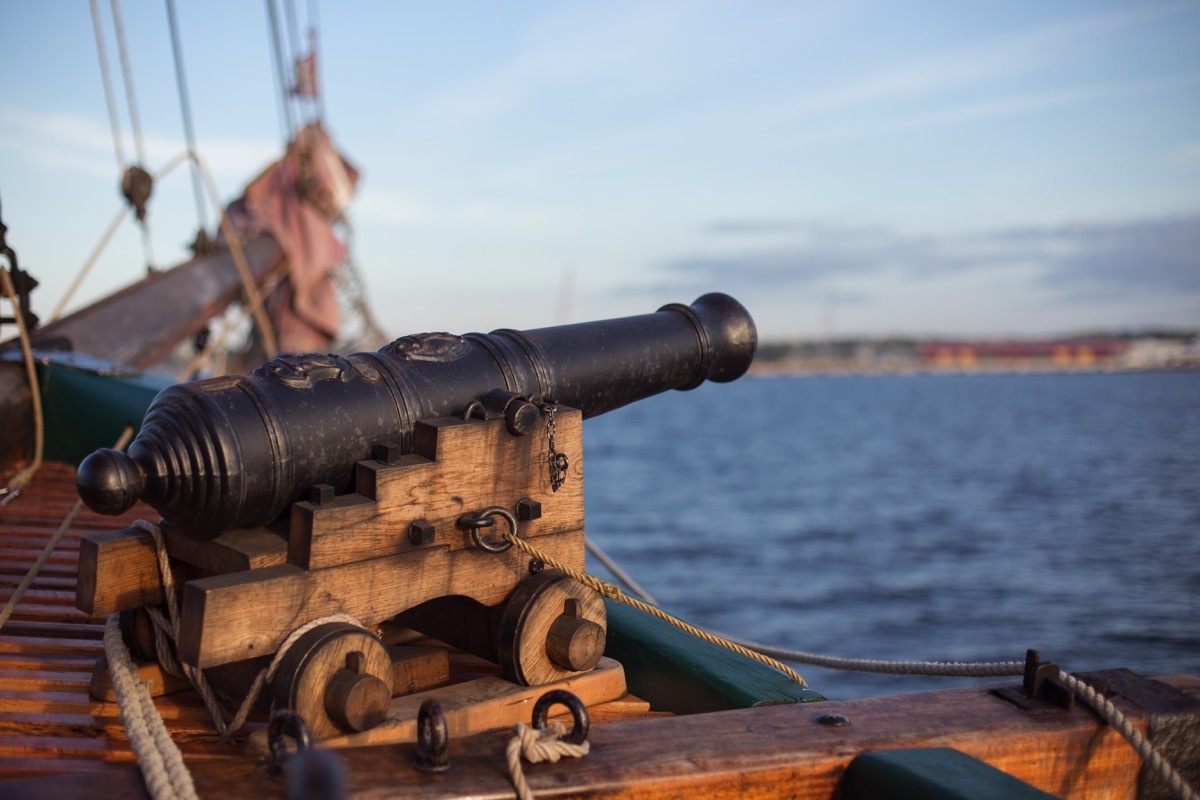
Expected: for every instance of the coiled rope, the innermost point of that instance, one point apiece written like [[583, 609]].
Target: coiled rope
[[536, 746]]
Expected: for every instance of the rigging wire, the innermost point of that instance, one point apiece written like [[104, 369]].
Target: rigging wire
[[185, 107], [288, 119], [289, 9], [135, 121], [135, 124], [314, 24], [113, 117]]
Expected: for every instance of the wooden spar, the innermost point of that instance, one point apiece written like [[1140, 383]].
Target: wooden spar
[[141, 324]]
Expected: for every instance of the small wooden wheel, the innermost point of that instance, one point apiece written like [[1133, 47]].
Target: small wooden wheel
[[552, 627], [338, 677]]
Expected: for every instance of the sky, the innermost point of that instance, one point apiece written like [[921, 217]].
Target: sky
[[843, 169]]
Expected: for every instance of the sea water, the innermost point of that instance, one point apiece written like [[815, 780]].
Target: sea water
[[943, 517]]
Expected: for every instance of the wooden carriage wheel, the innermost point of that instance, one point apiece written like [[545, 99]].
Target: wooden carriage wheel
[[338, 678], [552, 627]]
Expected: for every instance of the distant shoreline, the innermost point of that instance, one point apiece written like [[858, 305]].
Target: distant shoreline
[[794, 369]]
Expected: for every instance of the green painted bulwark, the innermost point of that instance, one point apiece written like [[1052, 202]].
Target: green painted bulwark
[[931, 773], [86, 404], [674, 671]]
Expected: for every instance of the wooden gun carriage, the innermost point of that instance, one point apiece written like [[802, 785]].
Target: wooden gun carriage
[[324, 506]]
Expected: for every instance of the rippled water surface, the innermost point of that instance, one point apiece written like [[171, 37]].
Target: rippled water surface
[[916, 517]]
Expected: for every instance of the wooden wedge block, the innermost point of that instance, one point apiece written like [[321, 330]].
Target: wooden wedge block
[[157, 680], [416, 668]]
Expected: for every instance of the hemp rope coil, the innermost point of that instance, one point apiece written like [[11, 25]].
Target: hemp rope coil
[[536, 745]]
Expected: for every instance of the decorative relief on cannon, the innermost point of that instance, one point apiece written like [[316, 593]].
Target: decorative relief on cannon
[[301, 372], [428, 347]]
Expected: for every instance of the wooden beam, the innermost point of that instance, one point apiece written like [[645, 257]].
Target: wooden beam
[[248, 614], [117, 571]]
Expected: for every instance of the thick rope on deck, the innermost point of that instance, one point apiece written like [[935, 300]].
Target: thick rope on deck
[[536, 745], [1113, 716], [158, 757]]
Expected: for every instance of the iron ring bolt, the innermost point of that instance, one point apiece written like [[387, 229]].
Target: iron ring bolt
[[476, 522], [285, 723], [579, 713], [433, 738]]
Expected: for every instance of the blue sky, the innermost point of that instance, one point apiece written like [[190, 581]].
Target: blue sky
[[850, 168]]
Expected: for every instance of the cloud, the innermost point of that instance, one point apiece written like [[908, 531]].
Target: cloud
[[84, 144], [1156, 255], [1080, 261], [954, 77]]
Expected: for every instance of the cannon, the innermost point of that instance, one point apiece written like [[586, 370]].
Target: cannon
[[317, 510], [235, 451]]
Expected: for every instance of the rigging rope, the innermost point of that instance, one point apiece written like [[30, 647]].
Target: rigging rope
[[614, 592], [23, 476], [105, 239], [132, 177], [135, 121], [287, 119], [253, 295], [1148, 752], [113, 118], [185, 106]]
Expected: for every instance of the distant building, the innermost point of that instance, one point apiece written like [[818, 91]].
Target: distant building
[[1064, 354]]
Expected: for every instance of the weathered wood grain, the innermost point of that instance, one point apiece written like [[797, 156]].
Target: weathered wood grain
[[485, 704], [248, 614], [766, 752], [460, 466]]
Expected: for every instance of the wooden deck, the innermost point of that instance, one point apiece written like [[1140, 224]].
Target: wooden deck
[[56, 741], [49, 724]]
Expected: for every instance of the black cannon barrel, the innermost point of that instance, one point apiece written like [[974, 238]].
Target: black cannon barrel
[[235, 451]]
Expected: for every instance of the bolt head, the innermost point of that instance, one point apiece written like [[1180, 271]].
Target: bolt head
[[420, 533], [528, 510]]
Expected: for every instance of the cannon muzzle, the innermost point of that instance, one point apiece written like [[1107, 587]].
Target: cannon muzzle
[[235, 451]]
